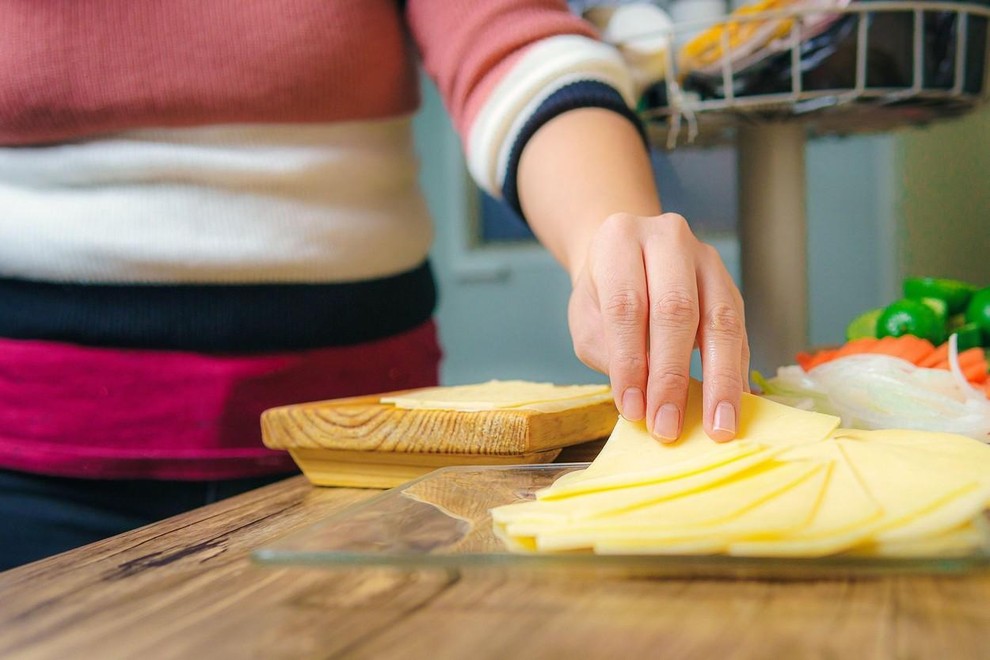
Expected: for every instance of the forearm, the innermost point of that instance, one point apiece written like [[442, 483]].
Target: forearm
[[646, 290], [577, 170]]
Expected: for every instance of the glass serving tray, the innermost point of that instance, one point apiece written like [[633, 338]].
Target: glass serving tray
[[441, 520]]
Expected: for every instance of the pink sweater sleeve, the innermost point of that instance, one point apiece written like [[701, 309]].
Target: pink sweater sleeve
[[467, 46], [505, 67]]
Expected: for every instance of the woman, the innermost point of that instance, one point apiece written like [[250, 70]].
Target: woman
[[210, 208]]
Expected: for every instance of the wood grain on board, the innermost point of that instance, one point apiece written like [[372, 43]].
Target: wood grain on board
[[361, 442]]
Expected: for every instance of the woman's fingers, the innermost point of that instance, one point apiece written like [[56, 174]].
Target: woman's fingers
[[585, 321], [650, 293], [721, 338], [673, 323], [622, 296]]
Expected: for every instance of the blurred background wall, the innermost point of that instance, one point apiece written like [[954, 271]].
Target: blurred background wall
[[943, 199]]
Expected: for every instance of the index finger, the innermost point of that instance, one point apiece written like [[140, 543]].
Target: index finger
[[623, 302]]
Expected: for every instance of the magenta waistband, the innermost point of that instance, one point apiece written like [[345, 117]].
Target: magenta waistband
[[80, 411]]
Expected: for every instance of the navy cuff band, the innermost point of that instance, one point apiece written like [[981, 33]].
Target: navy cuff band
[[581, 94]]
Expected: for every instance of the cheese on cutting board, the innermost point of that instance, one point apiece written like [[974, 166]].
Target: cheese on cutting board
[[502, 395], [792, 484], [386, 439]]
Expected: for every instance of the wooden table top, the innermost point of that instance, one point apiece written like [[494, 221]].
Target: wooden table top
[[186, 588]]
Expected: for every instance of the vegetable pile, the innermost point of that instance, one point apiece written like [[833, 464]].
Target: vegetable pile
[[919, 352], [919, 363]]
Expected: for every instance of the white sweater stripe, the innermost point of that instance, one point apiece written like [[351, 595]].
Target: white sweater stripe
[[220, 204], [543, 69]]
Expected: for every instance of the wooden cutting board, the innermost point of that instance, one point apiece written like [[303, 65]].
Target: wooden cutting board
[[361, 442]]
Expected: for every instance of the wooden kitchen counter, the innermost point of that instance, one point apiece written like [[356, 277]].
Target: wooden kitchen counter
[[187, 588]]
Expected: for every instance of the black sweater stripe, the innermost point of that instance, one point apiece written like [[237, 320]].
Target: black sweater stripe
[[217, 318]]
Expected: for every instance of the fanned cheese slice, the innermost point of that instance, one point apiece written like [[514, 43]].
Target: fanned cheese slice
[[632, 456], [791, 485], [950, 514], [617, 466], [907, 486], [841, 518], [607, 502], [774, 516], [502, 394], [959, 453], [959, 540], [702, 509], [956, 458], [914, 498], [691, 545]]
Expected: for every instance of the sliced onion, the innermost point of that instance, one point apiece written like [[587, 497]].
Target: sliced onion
[[878, 391], [968, 390]]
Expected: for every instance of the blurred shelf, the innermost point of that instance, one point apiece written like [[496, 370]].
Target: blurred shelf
[[900, 64]]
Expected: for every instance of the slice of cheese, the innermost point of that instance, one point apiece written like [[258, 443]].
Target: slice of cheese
[[950, 514], [903, 483], [787, 513], [959, 453], [960, 540], [702, 509], [629, 458], [502, 394], [698, 545], [603, 503], [791, 485], [841, 519], [720, 502], [632, 456], [915, 499], [924, 493]]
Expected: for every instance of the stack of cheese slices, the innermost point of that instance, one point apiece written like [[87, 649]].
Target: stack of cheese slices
[[791, 484]]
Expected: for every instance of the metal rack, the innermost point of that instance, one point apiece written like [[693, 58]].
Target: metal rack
[[857, 108], [770, 131]]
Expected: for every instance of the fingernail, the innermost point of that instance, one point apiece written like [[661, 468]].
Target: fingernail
[[667, 420], [725, 418], [633, 404]]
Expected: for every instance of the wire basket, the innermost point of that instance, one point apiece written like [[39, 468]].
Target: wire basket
[[879, 66]]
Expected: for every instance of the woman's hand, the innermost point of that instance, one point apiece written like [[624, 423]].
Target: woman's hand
[[647, 293]]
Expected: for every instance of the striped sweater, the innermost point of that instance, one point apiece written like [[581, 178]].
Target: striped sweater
[[209, 207]]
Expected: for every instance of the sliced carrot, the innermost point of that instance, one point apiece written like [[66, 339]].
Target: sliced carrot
[[976, 373], [973, 355], [907, 347], [804, 360], [914, 349], [939, 355], [884, 346], [821, 357], [976, 368], [972, 362], [856, 346], [967, 358]]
